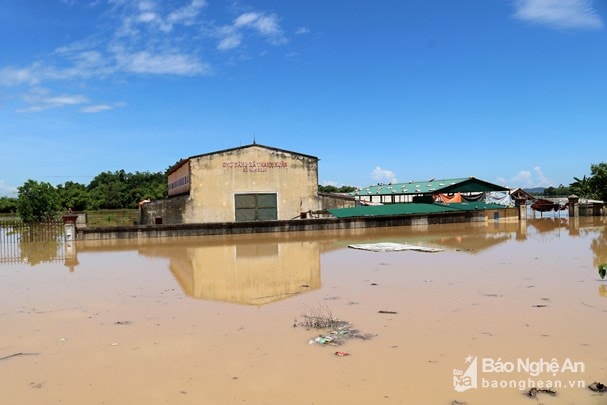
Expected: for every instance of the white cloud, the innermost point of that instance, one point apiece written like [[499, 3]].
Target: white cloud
[[567, 14], [161, 63], [147, 17], [528, 179], [187, 14], [246, 19], [134, 37], [148, 14], [383, 176], [330, 183], [6, 190], [95, 108], [39, 99], [231, 39], [265, 25], [302, 31]]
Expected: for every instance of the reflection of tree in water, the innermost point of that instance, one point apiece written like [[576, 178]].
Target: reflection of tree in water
[[548, 224], [39, 252], [38, 243], [599, 249]]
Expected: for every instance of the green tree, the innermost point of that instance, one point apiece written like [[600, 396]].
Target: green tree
[[107, 190], [581, 187], [8, 205], [124, 190], [598, 181], [334, 189], [73, 195], [37, 202], [561, 190]]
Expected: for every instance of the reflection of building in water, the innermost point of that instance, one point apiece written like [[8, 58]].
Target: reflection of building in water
[[473, 239], [247, 273]]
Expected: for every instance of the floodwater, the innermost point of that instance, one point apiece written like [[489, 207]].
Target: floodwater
[[210, 320]]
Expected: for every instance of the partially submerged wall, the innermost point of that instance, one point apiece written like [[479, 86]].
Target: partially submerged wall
[[226, 228]]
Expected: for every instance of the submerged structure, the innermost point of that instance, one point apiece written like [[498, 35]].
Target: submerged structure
[[446, 191], [247, 183]]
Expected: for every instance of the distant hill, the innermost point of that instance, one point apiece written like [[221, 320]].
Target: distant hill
[[535, 190]]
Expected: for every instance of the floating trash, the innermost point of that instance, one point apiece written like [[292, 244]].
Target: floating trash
[[335, 331], [532, 393], [342, 354], [598, 387], [393, 247]]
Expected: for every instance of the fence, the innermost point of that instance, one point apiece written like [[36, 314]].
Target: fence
[[17, 231], [31, 243]]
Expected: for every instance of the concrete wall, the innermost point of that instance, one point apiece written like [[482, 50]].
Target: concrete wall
[[333, 200], [227, 228], [506, 214], [169, 211], [216, 178]]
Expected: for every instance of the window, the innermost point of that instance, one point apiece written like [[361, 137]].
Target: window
[[255, 207]]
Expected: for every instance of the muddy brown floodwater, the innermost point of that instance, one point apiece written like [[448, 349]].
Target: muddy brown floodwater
[[504, 308]]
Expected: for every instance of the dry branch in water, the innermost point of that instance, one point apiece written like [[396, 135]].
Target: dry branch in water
[[336, 330], [320, 317]]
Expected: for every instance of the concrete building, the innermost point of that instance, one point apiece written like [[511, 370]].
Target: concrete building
[[247, 183]]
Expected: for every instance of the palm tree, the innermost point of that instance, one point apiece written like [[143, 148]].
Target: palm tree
[[581, 187]]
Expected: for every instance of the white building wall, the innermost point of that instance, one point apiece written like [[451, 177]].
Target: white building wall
[[216, 178]]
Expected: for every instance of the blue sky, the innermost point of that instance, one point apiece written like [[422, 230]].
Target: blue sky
[[510, 91]]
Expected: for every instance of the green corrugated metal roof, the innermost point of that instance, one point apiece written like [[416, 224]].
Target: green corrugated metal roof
[[409, 209], [463, 184], [475, 205]]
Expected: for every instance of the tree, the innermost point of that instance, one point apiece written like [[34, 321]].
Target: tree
[[594, 186], [598, 181], [8, 205], [561, 190], [73, 195], [124, 190], [581, 187], [334, 189], [37, 202]]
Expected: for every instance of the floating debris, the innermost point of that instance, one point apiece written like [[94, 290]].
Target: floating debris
[[339, 336], [598, 387], [532, 393], [336, 331], [319, 318], [387, 312], [18, 354], [342, 354], [393, 247]]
